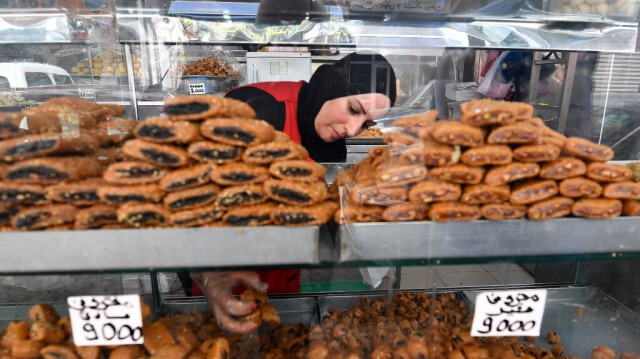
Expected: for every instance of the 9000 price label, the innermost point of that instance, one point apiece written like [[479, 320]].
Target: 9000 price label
[[509, 313]]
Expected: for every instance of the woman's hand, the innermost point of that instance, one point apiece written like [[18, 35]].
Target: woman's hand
[[217, 288]]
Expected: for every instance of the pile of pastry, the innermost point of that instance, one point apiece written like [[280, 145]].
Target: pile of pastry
[[208, 163], [497, 162]]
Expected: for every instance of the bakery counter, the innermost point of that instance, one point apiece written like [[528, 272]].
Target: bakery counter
[[489, 240]]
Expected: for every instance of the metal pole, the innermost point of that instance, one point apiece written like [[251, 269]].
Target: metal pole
[[570, 72], [155, 291], [131, 81]]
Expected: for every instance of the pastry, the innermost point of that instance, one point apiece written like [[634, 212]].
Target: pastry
[[115, 131], [45, 145], [188, 177], [156, 335], [197, 216], [533, 191], [16, 193], [127, 352], [214, 152], [117, 195], [15, 331], [597, 208], [585, 149], [400, 138], [554, 207], [258, 215], [281, 137], [133, 172], [375, 195], [96, 216], [9, 125], [26, 348], [485, 194], [631, 208], [160, 154], [487, 155], [236, 109], [551, 137], [453, 212], [189, 108], [239, 173], [267, 153], [44, 216], [394, 175], [536, 153], [53, 169], [144, 214], [295, 193], [80, 193], [359, 214], [161, 130], [433, 191], [57, 352], [533, 121], [501, 175], [238, 132], [304, 216], [622, 190], [457, 133], [48, 333], [579, 187], [37, 121], [605, 172], [413, 123], [435, 154], [502, 211], [297, 170], [192, 197], [7, 212], [565, 167], [403, 212], [43, 313], [242, 196], [410, 155], [457, 173], [517, 133], [484, 112], [108, 155]]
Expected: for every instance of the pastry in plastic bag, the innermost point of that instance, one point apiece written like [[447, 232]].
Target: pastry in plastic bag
[[238, 132], [402, 212], [360, 214], [393, 175], [375, 195], [597, 208]]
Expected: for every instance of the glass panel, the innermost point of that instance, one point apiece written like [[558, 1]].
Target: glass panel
[[37, 79]]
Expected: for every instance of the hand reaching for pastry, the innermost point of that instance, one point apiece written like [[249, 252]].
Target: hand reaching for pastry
[[217, 288]]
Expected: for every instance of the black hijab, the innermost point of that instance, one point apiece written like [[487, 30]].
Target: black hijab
[[327, 83]]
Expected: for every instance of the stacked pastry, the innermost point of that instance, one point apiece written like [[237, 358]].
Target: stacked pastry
[[498, 162]]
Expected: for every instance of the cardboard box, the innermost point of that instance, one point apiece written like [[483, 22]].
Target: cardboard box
[[463, 91]]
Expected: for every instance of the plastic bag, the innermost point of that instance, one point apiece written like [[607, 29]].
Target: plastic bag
[[494, 84]]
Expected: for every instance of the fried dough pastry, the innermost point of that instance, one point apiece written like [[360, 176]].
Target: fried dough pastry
[[133, 172], [458, 173], [487, 155], [433, 191], [160, 154], [53, 169], [267, 153], [533, 191], [205, 151], [295, 193], [161, 130], [239, 173], [191, 197], [145, 214], [502, 211], [597, 208], [44, 216], [585, 149], [297, 170], [565, 167], [501, 175], [187, 177], [80, 193], [96, 216], [453, 212], [579, 187], [117, 195], [554, 207], [238, 132], [485, 194]]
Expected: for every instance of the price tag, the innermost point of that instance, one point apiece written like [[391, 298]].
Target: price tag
[[196, 89], [417, 6], [105, 320], [509, 313], [87, 93], [19, 89]]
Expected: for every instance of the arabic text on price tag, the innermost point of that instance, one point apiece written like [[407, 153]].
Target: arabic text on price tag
[[105, 320], [509, 313], [197, 89]]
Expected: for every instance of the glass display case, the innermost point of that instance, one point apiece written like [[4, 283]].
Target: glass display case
[[103, 194]]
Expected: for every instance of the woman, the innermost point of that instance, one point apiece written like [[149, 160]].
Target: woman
[[319, 115]]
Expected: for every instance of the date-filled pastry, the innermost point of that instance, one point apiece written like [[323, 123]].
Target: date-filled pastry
[[45, 145], [485, 112], [80, 193], [117, 195], [359, 214], [267, 153], [161, 130], [189, 108], [44, 216], [96, 216], [579, 187], [517, 133], [37, 121], [500, 175], [207, 151], [631, 208], [533, 191], [597, 208], [257, 215], [622, 190], [434, 191], [585, 149], [197, 216], [457, 133], [232, 174], [238, 132], [108, 155], [375, 195], [502, 211], [606, 172], [403, 212], [453, 212], [160, 154], [565, 167], [487, 155], [304, 216], [188, 177], [192, 197], [53, 169], [115, 131], [394, 175], [57, 351], [457, 173], [485, 194], [554, 207], [536, 153], [236, 109], [17, 193], [296, 193], [7, 212], [244, 195], [133, 172], [145, 214], [297, 170]]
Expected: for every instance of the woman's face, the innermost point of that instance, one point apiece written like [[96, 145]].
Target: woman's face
[[348, 116]]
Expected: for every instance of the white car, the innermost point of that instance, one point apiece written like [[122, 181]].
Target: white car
[[28, 75]]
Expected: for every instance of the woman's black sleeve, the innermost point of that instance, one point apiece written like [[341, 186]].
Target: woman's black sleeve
[[266, 106]]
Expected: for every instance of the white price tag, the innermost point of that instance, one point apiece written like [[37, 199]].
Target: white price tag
[[509, 313], [86, 93], [196, 89], [417, 6], [105, 320]]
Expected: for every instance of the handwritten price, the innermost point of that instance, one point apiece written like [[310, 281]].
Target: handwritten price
[[111, 332], [509, 313]]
